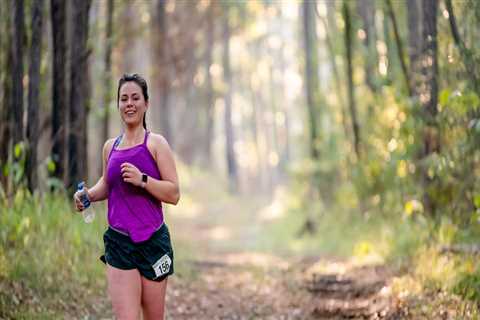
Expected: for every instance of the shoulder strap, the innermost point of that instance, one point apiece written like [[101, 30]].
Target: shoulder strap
[[146, 136], [115, 144]]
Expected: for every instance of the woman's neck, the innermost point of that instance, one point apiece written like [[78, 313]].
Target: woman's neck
[[133, 136]]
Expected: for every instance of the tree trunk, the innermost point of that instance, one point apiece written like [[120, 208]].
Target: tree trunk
[[33, 93], [6, 122], [414, 18], [471, 64], [351, 88], [366, 9], [17, 69], [311, 73], [59, 86], [107, 76], [162, 74], [79, 93], [210, 107], [429, 94], [229, 134], [398, 41]]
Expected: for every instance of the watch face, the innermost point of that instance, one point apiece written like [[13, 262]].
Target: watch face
[[144, 177]]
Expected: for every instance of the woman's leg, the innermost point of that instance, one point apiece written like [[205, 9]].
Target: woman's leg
[[153, 299], [125, 291]]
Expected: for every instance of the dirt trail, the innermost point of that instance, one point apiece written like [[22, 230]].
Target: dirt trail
[[254, 286], [232, 280]]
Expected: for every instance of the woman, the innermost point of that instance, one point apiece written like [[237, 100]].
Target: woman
[[138, 175]]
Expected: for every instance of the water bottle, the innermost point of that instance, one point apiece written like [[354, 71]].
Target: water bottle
[[88, 214]]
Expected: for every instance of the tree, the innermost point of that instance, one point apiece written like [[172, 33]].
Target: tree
[[311, 73], [429, 94], [59, 86], [79, 93], [107, 76], [17, 70], [6, 123], [209, 104], [414, 15], [33, 93], [162, 72], [227, 75], [366, 9], [351, 87]]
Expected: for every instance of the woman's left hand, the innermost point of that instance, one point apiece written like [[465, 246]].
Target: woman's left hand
[[131, 174]]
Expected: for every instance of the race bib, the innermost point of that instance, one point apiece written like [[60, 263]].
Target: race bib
[[162, 266]]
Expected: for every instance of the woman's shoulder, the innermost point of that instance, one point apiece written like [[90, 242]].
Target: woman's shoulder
[[107, 146], [157, 140]]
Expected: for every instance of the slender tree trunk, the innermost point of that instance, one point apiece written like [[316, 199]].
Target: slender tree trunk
[[471, 64], [414, 20], [79, 93], [208, 84], [311, 73], [366, 9], [162, 75], [229, 134], [351, 88], [107, 75], [59, 86], [33, 93], [6, 115], [429, 94], [17, 69], [399, 47]]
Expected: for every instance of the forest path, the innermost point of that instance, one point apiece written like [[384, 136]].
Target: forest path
[[222, 273]]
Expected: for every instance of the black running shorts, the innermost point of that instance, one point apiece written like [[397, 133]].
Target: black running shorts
[[153, 258]]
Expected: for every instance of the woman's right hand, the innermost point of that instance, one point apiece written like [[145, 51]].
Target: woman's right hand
[[78, 204]]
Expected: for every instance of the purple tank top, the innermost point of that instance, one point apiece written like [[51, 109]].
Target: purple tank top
[[132, 210]]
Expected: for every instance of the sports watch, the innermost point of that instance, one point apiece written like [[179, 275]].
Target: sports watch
[[144, 180]]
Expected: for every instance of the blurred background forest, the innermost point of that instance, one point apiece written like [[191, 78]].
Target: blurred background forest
[[356, 124]]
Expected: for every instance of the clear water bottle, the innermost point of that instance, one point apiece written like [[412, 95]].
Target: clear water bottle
[[88, 213]]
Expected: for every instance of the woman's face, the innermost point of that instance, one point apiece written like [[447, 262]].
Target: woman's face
[[132, 104]]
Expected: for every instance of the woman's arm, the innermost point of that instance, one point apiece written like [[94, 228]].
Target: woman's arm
[[99, 191], [165, 190]]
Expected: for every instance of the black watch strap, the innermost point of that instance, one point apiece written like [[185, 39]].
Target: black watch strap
[[144, 177]]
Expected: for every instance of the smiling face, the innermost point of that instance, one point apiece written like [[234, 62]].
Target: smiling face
[[132, 104]]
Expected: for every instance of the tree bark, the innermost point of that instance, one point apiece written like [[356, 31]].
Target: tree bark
[[229, 134], [33, 93], [6, 123], [210, 108], [107, 75], [398, 41], [59, 87], [414, 19], [162, 75], [351, 88], [79, 93], [470, 63], [429, 94], [366, 9], [17, 69], [311, 73]]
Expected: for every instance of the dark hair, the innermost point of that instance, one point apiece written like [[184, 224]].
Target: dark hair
[[141, 83]]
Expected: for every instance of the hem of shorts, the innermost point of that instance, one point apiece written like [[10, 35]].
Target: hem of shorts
[[158, 279], [117, 267]]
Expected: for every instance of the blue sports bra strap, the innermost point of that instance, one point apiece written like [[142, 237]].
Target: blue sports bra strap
[[146, 136], [117, 142]]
